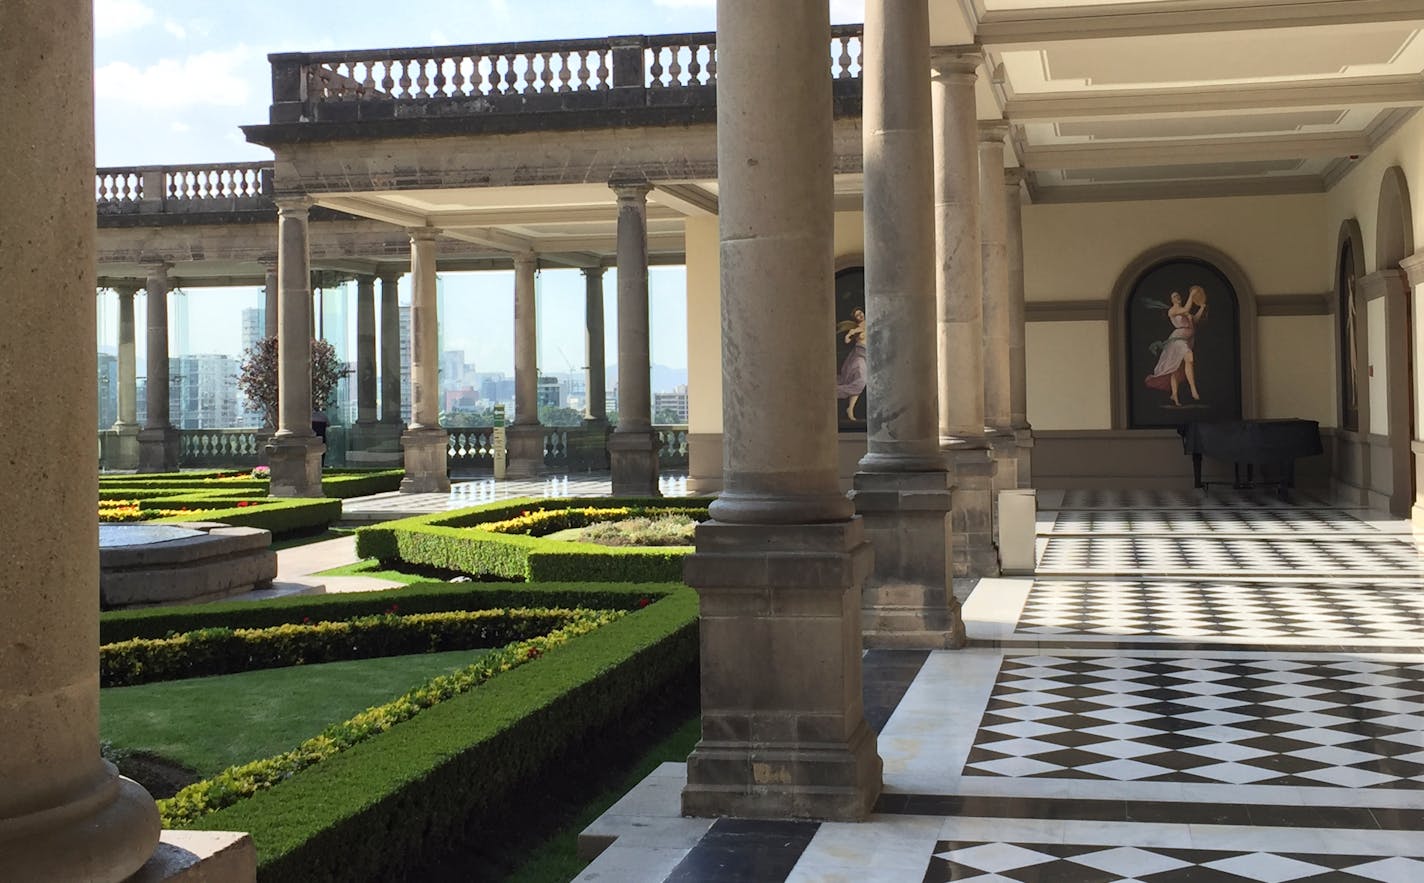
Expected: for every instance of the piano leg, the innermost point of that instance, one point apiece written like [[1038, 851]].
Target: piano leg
[[1196, 471]]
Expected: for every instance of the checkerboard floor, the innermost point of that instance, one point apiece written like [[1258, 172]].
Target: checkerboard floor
[[1176, 556], [1347, 612], [1249, 522], [1138, 500]]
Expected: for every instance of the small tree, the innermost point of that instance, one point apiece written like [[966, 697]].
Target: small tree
[[258, 380]]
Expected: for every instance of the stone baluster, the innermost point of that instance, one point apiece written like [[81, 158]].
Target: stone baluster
[[425, 441], [959, 295], [157, 441], [633, 447], [65, 814], [1018, 353], [525, 437], [779, 568], [294, 454], [902, 488]]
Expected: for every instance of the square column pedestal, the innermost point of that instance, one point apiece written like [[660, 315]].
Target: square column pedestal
[[158, 450], [295, 462], [524, 444], [1023, 439], [633, 460], [125, 449], [972, 518], [426, 461], [375, 444], [783, 726], [908, 600]]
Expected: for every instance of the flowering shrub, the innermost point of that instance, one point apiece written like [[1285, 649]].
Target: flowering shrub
[[258, 380], [540, 522], [262, 472], [114, 511]]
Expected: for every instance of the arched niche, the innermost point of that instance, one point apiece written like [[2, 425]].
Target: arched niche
[[852, 406], [1350, 354], [1131, 407], [1394, 228]]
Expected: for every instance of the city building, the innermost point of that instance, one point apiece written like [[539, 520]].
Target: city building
[[203, 393], [108, 390], [674, 403]]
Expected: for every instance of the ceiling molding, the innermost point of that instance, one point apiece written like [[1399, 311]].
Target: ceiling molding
[[1188, 151], [543, 214], [1037, 26], [1213, 189], [688, 199], [373, 209], [1168, 103], [492, 237]]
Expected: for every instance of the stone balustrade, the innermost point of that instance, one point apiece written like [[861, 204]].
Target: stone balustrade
[[211, 187]]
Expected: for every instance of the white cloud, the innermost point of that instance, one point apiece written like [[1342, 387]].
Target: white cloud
[[178, 31], [179, 127], [213, 78], [115, 17]]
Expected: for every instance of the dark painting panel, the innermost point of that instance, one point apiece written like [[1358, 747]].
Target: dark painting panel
[[1349, 344], [1184, 346], [851, 369]]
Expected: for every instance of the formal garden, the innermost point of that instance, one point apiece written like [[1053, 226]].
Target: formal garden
[[539, 658]]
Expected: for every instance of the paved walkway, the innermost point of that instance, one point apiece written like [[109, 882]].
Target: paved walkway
[[297, 570], [1191, 689], [472, 492]]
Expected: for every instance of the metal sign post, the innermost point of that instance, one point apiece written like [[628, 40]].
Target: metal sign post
[[499, 442]]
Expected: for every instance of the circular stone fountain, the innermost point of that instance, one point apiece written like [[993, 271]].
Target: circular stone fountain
[[142, 564]]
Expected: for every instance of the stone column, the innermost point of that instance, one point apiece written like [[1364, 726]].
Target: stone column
[[271, 290], [425, 442], [390, 352], [994, 248], [633, 447], [959, 296], [779, 568], [593, 440], [903, 487], [1018, 353], [525, 436], [158, 440], [294, 454], [126, 428], [65, 814], [365, 351]]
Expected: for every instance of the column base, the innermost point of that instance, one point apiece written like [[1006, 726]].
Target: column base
[[201, 857], [295, 464], [105, 834], [633, 460], [125, 447], [588, 446], [972, 518], [1023, 438], [524, 443], [158, 450], [376, 438], [1005, 448], [783, 728], [427, 469], [909, 598]]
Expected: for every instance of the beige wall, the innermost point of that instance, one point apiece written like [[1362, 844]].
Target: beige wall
[[1296, 361], [704, 327], [1379, 368], [1068, 379], [1357, 194]]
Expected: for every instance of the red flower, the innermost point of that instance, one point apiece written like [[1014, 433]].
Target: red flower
[[241, 503], [394, 609], [643, 602], [532, 654], [306, 620]]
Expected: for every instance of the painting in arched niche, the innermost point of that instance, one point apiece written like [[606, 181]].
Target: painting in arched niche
[[1183, 345], [1349, 346], [851, 368]]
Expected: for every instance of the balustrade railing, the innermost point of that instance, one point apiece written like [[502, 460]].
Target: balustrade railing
[[672, 450], [566, 448], [303, 83], [213, 186], [213, 448], [470, 449]]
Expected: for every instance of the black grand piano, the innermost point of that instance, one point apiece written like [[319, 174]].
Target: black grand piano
[[1272, 445]]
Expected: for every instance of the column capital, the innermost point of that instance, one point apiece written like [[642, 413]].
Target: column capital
[[423, 234], [956, 63], [1014, 176], [269, 264], [389, 275], [126, 289], [594, 272], [631, 190], [1413, 266], [294, 205], [525, 258], [993, 131]]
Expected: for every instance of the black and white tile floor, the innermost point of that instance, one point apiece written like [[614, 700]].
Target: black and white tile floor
[[1192, 689]]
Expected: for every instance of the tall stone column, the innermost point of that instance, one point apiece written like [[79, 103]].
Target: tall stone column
[[158, 440], [525, 436], [1018, 353], [593, 440], [959, 298], [365, 350], [294, 454], [994, 248], [633, 447], [126, 428], [903, 487], [271, 291], [426, 443], [780, 565], [65, 814], [390, 352]]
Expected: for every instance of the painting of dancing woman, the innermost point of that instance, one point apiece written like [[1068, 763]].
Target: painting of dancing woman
[[1176, 358], [850, 379]]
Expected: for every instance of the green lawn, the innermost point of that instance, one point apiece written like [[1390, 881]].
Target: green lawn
[[209, 724]]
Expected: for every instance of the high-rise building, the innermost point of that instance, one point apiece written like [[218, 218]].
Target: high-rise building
[[254, 327], [178, 323], [675, 401], [108, 390], [202, 392], [549, 391]]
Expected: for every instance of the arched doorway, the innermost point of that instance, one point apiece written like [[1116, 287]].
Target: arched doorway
[[1390, 323]]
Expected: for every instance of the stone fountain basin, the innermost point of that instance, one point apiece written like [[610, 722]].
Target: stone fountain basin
[[146, 564]]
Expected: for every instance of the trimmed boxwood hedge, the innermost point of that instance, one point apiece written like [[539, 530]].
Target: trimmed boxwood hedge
[[438, 541], [220, 651], [158, 622], [345, 484], [372, 811]]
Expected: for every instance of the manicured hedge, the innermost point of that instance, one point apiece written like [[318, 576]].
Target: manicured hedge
[[371, 811], [439, 541], [219, 651], [158, 622], [345, 484], [279, 515]]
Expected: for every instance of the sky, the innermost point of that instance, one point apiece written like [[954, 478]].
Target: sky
[[174, 79]]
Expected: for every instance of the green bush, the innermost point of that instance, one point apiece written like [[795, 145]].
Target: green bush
[[279, 515], [345, 484], [219, 651], [372, 811], [441, 540], [158, 622]]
